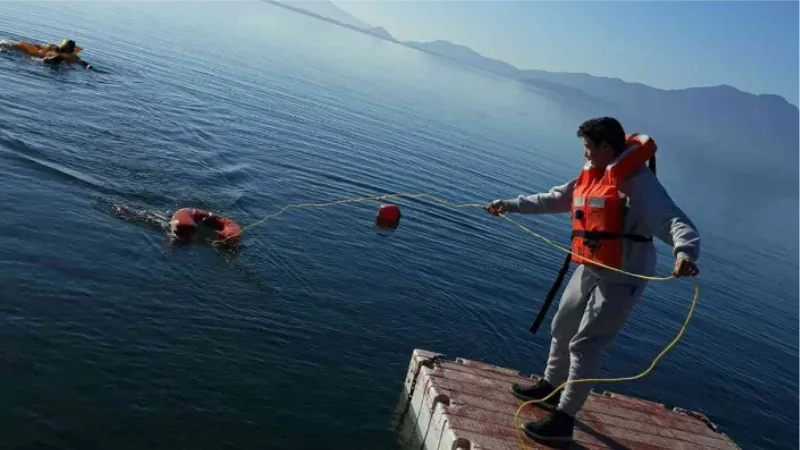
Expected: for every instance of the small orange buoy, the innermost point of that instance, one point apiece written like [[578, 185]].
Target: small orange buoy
[[388, 216]]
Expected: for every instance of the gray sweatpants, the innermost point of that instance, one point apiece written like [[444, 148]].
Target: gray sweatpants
[[591, 313]]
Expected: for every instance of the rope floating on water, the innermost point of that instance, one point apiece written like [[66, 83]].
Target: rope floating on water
[[505, 217]]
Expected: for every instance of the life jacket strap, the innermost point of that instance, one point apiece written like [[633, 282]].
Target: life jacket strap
[[599, 235]]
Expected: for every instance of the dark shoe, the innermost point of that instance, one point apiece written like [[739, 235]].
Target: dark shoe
[[538, 391], [557, 427]]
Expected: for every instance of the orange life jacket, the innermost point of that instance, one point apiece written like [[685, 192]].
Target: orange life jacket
[[598, 207]]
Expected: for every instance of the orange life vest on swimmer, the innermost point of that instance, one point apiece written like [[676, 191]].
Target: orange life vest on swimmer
[[45, 50], [598, 207]]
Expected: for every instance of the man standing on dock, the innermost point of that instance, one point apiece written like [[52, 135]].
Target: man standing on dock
[[616, 205]]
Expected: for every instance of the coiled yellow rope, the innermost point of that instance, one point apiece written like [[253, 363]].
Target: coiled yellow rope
[[642, 374], [432, 198]]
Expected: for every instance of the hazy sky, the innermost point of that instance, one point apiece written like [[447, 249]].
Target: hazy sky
[[750, 45]]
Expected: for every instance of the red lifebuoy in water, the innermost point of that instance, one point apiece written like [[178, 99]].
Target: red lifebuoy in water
[[186, 220], [388, 216]]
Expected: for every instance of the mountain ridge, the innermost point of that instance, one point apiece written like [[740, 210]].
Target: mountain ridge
[[717, 112], [352, 23], [464, 54]]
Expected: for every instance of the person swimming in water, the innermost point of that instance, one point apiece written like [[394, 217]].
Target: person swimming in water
[[51, 54]]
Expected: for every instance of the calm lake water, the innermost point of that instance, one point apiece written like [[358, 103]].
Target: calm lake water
[[114, 338]]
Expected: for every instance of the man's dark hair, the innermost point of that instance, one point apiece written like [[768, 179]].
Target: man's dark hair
[[604, 129], [68, 47]]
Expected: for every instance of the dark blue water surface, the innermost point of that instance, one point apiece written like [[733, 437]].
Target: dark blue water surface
[[114, 338]]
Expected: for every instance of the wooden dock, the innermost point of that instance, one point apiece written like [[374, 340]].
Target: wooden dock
[[468, 405]]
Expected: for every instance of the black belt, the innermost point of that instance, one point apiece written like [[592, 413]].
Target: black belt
[[597, 235], [551, 295]]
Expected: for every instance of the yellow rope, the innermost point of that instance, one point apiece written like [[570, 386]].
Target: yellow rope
[[642, 374], [537, 235], [597, 263], [359, 200], [614, 380]]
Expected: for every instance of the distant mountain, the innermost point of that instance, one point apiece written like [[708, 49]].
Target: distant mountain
[[328, 12], [718, 129], [465, 55], [723, 114], [726, 114], [381, 33]]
